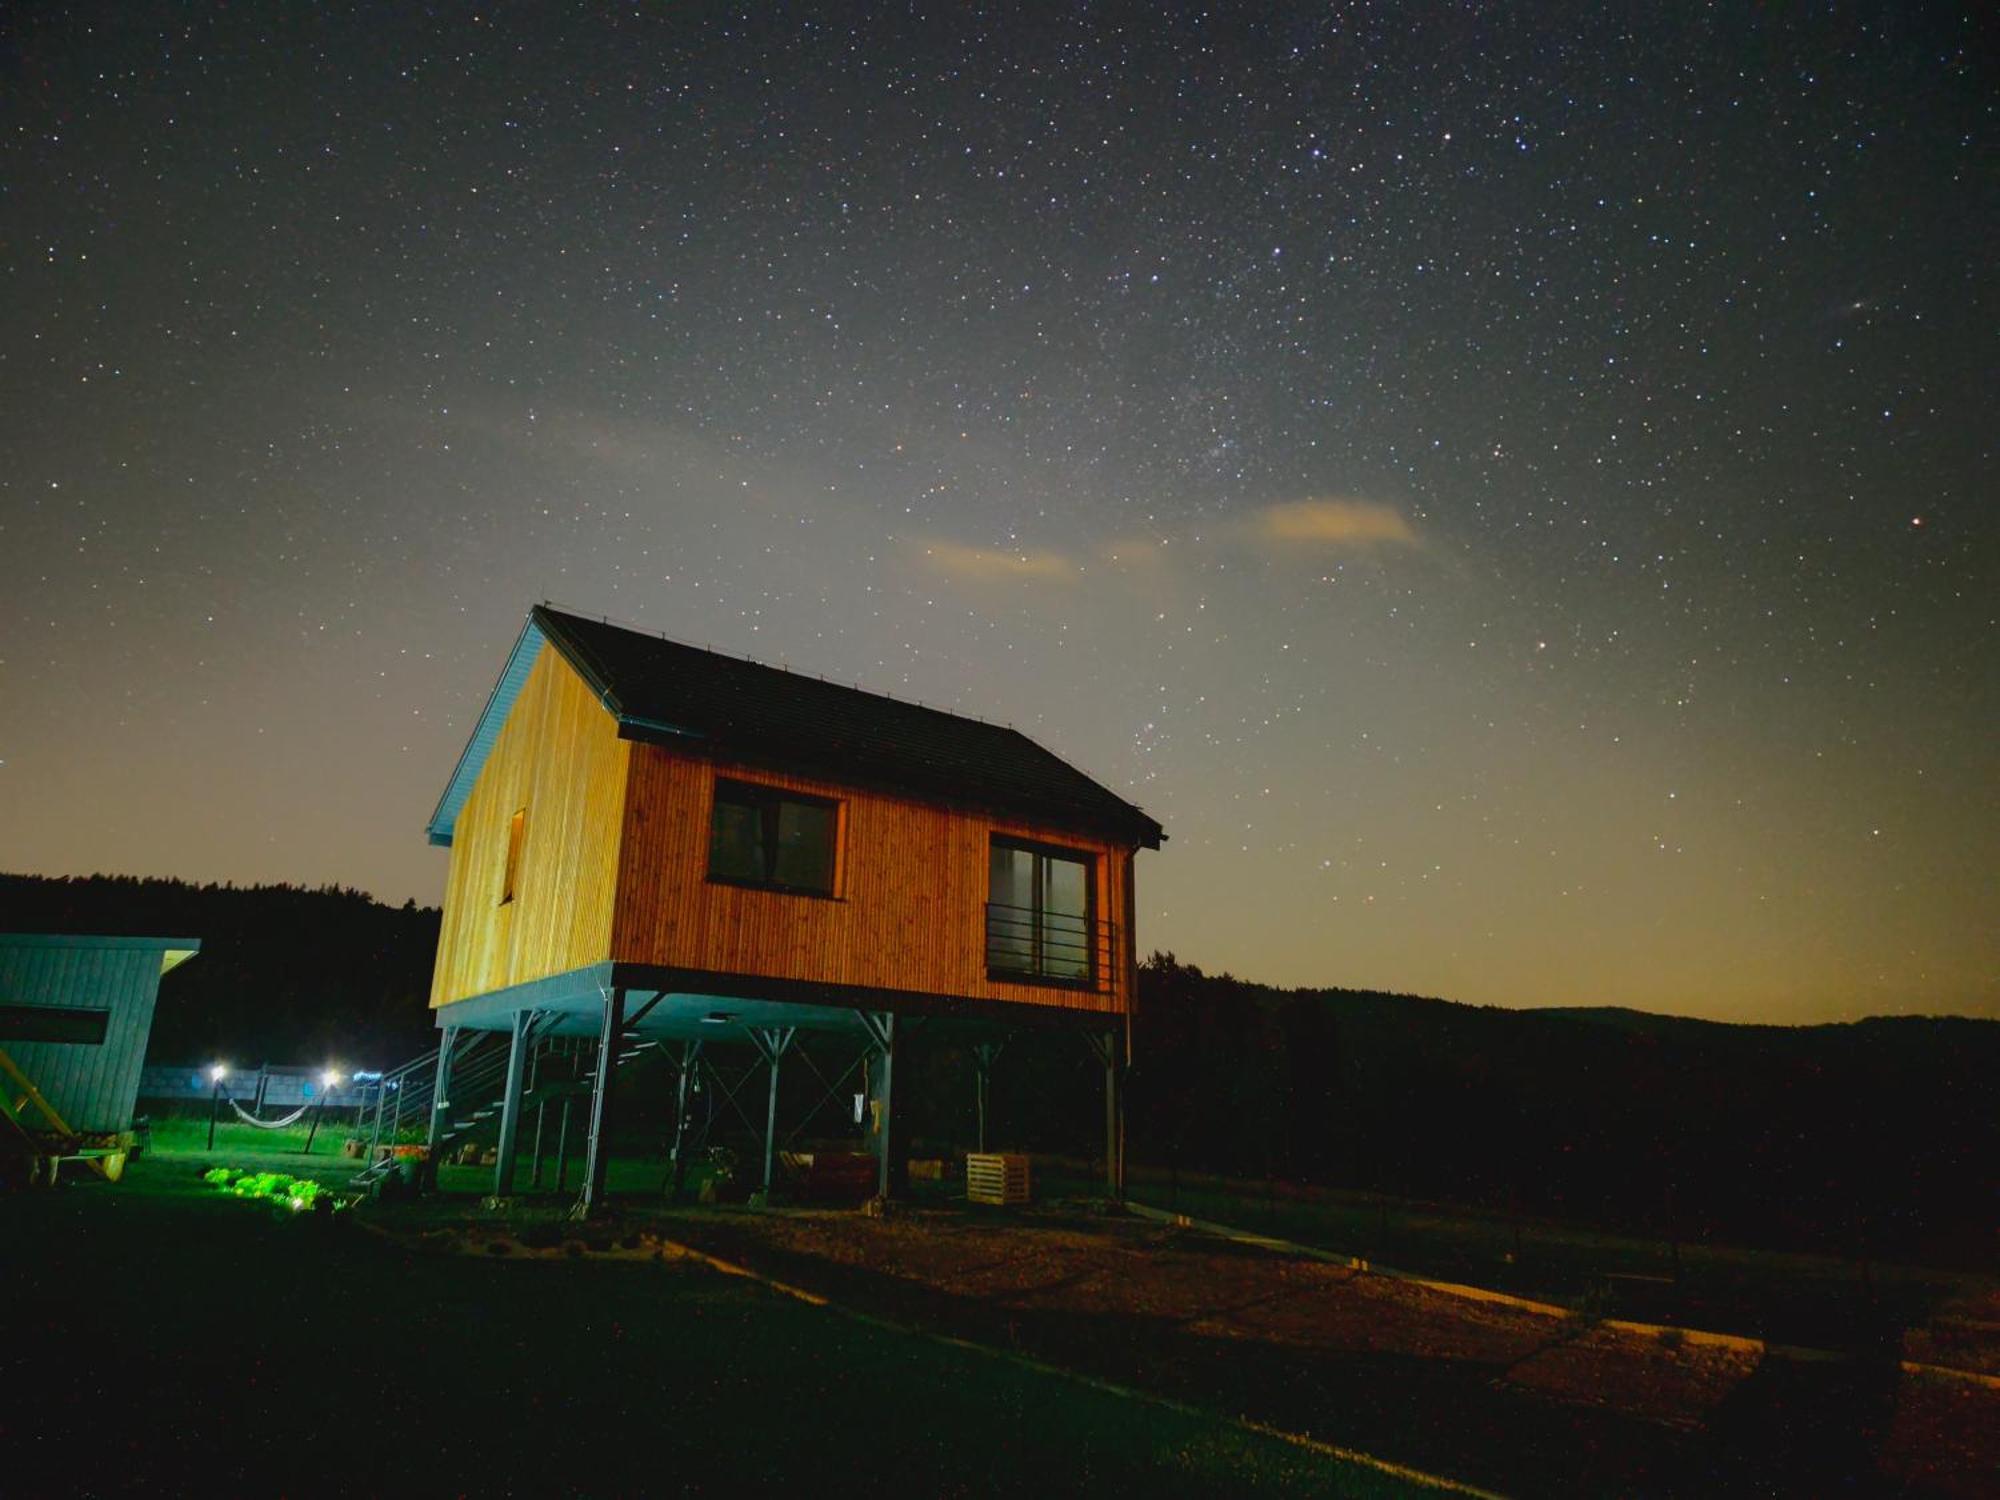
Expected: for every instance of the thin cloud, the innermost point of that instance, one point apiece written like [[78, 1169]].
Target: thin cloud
[[1335, 523], [1135, 552], [986, 563]]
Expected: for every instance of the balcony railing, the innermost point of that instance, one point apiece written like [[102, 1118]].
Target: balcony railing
[[1046, 947]]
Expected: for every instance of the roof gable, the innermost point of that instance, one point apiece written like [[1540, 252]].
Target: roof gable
[[499, 703], [661, 691]]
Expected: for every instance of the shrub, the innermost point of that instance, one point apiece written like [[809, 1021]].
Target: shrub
[[297, 1194]]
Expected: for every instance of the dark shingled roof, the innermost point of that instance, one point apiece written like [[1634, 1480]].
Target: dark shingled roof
[[668, 693]]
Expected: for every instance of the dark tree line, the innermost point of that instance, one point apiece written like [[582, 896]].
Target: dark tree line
[[1876, 1137], [286, 974]]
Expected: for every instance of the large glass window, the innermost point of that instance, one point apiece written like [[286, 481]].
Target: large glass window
[[1038, 920], [761, 835]]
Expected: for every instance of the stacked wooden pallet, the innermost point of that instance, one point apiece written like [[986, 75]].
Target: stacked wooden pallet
[[996, 1177]]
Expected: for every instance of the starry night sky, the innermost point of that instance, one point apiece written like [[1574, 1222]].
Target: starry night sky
[[1509, 487]]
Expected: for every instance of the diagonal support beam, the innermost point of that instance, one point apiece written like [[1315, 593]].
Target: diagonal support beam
[[730, 1093], [632, 1021], [832, 1090]]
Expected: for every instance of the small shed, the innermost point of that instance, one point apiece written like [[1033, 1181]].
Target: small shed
[[75, 1016]]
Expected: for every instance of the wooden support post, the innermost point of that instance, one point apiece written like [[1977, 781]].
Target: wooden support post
[[1114, 1135], [771, 1123], [774, 1042], [510, 1101], [375, 1136], [885, 1175], [881, 1028], [983, 1054], [562, 1144], [985, 1078], [597, 1150], [312, 1128], [568, 1100], [1108, 1051], [690, 1056], [440, 1105], [541, 1111], [214, 1108]]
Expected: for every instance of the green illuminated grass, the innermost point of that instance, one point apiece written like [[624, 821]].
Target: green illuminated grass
[[232, 1137]]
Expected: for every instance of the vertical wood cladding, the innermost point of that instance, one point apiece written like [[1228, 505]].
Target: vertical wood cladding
[[910, 890], [92, 1087], [559, 760]]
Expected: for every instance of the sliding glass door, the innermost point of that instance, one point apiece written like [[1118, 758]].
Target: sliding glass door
[[1038, 918]]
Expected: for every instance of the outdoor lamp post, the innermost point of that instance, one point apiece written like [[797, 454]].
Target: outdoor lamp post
[[216, 1074], [328, 1081]]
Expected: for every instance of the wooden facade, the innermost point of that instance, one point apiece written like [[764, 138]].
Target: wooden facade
[[908, 909], [612, 865], [558, 760]]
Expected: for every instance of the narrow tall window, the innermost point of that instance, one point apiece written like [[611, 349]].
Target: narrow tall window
[[516, 826], [763, 835], [1038, 915]]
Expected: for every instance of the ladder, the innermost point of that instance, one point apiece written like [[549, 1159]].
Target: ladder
[[44, 1148]]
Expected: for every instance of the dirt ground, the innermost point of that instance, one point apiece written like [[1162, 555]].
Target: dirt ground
[[1493, 1392]]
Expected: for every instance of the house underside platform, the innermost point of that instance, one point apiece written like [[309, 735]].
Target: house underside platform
[[700, 1005], [686, 1012]]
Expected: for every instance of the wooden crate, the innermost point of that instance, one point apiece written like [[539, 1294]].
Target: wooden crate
[[996, 1178]]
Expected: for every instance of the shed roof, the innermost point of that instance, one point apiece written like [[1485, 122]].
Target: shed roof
[[665, 692], [173, 951]]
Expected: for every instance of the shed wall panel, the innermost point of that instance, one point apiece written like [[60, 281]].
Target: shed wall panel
[[558, 757], [91, 1087], [908, 910]]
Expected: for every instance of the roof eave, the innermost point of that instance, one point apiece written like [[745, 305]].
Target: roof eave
[[472, 759]]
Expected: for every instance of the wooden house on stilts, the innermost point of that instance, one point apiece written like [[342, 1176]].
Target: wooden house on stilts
[[652, 841]]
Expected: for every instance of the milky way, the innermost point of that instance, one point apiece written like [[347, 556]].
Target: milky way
[[1507, 487]]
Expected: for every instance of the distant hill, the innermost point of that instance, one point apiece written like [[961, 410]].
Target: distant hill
[[287, 974], [1877, 1136]]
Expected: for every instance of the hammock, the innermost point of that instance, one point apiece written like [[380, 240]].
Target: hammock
[[249, 1119]]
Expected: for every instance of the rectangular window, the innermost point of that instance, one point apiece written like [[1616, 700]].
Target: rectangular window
[[516, 827], [1038, 915], [761, 835], [53, 1023]]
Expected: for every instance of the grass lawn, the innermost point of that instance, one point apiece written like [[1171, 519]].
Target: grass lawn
[[161, 1335], [184, 1133]]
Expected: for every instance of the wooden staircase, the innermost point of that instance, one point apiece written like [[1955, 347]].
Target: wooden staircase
[[479, 1072]]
